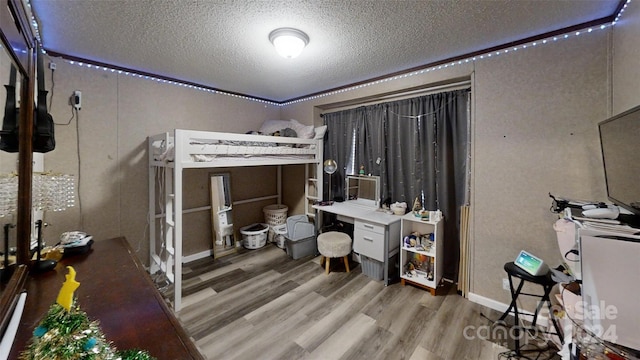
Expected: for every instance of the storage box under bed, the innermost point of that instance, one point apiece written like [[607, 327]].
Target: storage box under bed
[[302, 247]]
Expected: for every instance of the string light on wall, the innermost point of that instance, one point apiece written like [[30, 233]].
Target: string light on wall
[[171, 82], [621, 11], [53, 192], [8, 194], [50, 192], [475, 58], [304, 39]]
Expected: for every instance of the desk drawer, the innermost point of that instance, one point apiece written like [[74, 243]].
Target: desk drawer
[[369, 243], [367, 226]]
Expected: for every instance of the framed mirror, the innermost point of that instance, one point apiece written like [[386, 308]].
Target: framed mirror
[[363, 190], [8, 168], [17, 44], [224, 242]]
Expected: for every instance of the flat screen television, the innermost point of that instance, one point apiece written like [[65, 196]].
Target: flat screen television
[[620, 143]]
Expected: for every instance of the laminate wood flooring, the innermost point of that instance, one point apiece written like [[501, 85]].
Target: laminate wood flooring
[[262, 304]]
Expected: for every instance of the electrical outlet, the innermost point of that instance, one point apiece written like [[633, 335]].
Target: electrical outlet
[[505, 284], [52, 65]]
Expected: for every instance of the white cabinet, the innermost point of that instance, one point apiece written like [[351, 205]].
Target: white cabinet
[[368, 239], [376, 243], [421, 254]]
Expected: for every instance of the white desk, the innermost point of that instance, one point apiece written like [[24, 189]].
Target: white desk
[[376, 233]]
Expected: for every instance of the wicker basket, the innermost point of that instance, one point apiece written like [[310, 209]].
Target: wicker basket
[[254, 236], [274, 215]]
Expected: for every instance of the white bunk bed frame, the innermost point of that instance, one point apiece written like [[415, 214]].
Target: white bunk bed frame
[[219, 150]]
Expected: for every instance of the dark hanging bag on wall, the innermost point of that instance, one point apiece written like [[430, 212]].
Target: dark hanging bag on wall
[[9, 133], [43, 126]]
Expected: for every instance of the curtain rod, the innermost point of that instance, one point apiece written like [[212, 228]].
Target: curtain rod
[[455, 85]]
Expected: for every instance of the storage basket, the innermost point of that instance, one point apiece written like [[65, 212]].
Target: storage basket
[[275, 214], [280, 235], [254, 236], [372, 268]]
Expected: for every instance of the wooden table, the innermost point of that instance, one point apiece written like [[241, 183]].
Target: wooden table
[[115, 290]]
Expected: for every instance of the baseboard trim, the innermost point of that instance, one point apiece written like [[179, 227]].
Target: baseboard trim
[[490, 303], [198, 256], [502, 307]]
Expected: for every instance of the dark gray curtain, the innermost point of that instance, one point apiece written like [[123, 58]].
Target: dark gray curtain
[[417, 146], [341, 148], [356, 140]]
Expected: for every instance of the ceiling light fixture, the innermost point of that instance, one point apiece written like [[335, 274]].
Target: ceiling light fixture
[[288, 42]]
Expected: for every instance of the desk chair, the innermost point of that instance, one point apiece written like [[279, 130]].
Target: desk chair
[[547, 284]]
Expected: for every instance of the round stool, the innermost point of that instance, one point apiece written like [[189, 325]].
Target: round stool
[[334, 244]]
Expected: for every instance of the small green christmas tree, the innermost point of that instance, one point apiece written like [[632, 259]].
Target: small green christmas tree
[[66, 333]]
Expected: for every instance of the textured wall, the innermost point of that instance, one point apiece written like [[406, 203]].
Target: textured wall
[[536, 115], [626, 60], [118, 113]]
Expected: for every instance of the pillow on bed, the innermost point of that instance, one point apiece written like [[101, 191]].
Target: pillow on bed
[[303, 131], [271, 126], [320, 130]]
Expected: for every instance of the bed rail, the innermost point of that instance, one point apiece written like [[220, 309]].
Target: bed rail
[[202, 149]]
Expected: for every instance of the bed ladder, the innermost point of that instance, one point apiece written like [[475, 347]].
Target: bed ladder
[[310, 191], [161, 248], [313, 186]]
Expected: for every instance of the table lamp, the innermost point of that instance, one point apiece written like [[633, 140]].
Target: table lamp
[[330, 166]]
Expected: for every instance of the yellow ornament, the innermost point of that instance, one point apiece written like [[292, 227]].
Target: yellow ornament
[[65, 296]]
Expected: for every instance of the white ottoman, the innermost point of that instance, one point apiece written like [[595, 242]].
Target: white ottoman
[[334, 244]]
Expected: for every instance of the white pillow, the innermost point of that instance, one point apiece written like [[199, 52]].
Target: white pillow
[[320, 130], [271, 126], [303, 131]]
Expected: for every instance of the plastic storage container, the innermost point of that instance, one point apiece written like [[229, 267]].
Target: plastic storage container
[[372, 268], [254, 236], [301, 237], [302, 247]]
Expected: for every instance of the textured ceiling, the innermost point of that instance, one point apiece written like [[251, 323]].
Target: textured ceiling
[[224, 44]]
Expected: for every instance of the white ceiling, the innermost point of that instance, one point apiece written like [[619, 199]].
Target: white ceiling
[[224, 44]]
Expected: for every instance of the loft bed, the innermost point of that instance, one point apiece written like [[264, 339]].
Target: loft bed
[[171, 152]]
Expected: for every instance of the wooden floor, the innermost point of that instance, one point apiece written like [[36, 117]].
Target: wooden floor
[[261, 304]]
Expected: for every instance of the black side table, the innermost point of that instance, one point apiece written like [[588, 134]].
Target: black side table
[[547, 284]]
